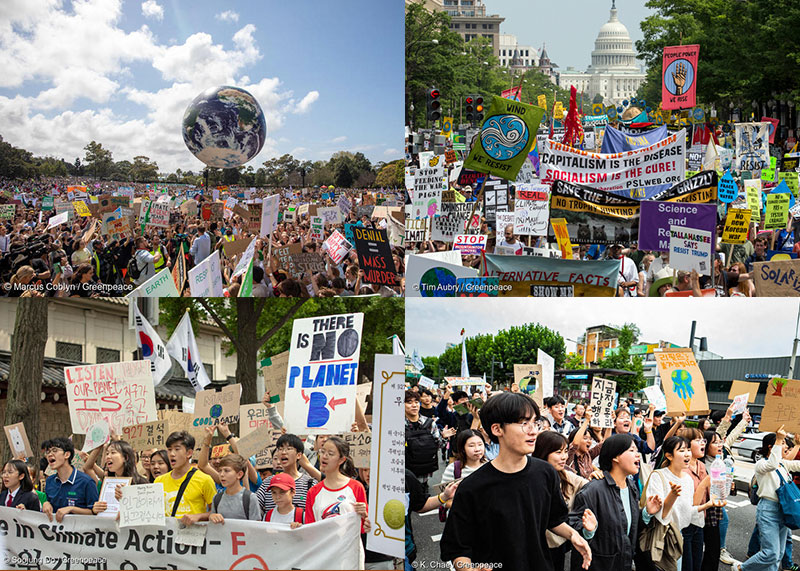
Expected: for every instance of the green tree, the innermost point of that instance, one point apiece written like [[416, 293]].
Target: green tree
[[231, 176], [98, 160], [391, 175], [14, 162], [627, 335], [431, 368], [574, 362], [343, 173], [143, 169]]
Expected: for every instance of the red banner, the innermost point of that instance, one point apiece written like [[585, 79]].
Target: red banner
[[512, 93], [773, 126], [679, 77]]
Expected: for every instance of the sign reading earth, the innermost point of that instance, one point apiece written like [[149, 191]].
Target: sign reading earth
[[224, 127]]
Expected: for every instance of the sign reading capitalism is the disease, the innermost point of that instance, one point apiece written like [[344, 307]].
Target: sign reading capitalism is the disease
[[524, 276], [506, 136], [679, 76], [637, 174], [322, 374], [594, 216], [374, 256]]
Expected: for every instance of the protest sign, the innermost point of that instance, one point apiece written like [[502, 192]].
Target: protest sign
[[740, 403], [205, 279], [690, 249], [658, 217], [502, 220], [505, 137], [307, 262], [274, 373], [638, 174], [119, 229], [744, 387], [212, 407], [251, 417], [429, 183], [656, 397], [752, 146], [47, 203], [362, 391], [236, 247], [123, 393], [360, 445], [244, 261], [183, 421], [317, 228], [18, 442], [777, 212], [160, 285], [548, 365], [375, 256], [529, 380], [331, 215], [781, 406], [142, 505], [189, 208], [108, 495], [737, 223], [470, 244], [683, 383], [617, 141], [159, 215], [96, 435], [426, 383], [322, 374], [727, 190], [477, 287], [531, 210], [285, 256], [562, 237], [495, 197], [452, 221], [679, 76], [146, 435], [790, 178], [267, 213], [752, 188], [429, 277], [418, 230], [596, 278], [777, 278], [387, 453], [593, 216], [81, 209], [344, 205], [230, 203], [255, 442], [57, 220], [337, 247], [601, 404]]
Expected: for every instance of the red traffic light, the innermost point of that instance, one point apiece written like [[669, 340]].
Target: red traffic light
[[433, 94], [479, 100], [469, 100]]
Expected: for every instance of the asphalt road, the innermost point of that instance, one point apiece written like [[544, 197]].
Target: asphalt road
[[742, 515]]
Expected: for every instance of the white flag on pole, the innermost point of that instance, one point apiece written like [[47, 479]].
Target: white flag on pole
[[151, 345], [464, 364], [183, 347]]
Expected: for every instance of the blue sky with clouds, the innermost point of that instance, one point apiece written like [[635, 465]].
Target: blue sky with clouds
[[327, 74]]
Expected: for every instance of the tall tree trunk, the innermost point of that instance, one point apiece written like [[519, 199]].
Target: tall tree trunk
[[247, 351], [25, 376]]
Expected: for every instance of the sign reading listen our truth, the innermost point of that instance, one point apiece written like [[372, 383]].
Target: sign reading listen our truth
[[322, 374]]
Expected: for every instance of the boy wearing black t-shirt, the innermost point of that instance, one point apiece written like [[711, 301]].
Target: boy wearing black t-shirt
[[501, 511]]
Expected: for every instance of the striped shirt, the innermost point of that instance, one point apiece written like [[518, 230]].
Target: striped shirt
[[303, 483]]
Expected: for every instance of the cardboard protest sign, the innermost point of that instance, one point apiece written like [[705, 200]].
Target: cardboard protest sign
[[777, 212], [744, 387], [601, 404], [119, 229], [529, 380], [656, 396], [274, 373], [142, 505], [781, 406], [777, 278], [470, 244], [375, 256], [683, 383], [453, 219], [656, 219], [418, 230], [532, 210], [256, 441], [505, 137], [236, 247], [251, 417], [362, 391], [429, 277], [337, 247], [322, 374], [212, 407], [97, 435], [183, 421], [690, 249], [123, 393], [429, 183], [752, 146], [18, 442], [308, 262], [737, 222], [679, 76], [146, 435], [360, 446], [638, 174]]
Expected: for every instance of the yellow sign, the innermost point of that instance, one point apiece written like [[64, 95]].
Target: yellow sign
[[777, 212], [447, 126], [598, 109], [560, 230], [81, 209], [558, 111], [752, 189], [542, 101], [736, 225]]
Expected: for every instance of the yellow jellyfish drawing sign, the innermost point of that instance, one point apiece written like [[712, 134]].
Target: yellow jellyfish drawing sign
[[682, 381]]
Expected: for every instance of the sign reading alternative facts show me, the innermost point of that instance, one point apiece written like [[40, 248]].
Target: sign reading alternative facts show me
[[122, 392], [322, 374]]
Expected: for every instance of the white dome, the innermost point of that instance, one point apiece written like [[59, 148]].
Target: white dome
[[613, 48], [614, 28]]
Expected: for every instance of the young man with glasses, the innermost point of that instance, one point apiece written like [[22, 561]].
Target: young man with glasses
[[500, 513], [69, 491], [289, 451]]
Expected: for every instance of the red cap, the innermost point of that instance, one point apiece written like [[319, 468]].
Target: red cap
[[283, 481]]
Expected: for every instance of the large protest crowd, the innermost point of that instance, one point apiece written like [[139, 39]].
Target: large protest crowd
[[527, 486], [67, 237]]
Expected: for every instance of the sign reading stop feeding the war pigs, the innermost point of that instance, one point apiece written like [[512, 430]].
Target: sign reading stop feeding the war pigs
[[122, 392], [374, 256], [323, 373], [429, 183]]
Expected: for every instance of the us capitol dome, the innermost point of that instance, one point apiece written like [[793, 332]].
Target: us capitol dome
[[614, 72]]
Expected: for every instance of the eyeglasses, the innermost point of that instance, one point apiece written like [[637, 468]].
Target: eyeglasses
[[53, 451], [700, 440], [527, 425]]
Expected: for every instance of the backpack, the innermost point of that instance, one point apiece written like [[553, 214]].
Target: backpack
[[299, 515], [133, 268], [421, 449], [456, 476], [245, 502], [753, 492]]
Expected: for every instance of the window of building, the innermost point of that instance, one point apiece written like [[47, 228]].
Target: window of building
[[107, 355], [69, 351], [456, 26], [209, 370]]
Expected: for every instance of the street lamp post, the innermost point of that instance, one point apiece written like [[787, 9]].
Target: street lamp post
[[493, 362]]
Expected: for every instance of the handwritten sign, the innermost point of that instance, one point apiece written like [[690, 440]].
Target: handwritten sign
[[274, 372], [684, 386], [122, 392], [177, 421], [740, 403], [142, 505], [360, 446], [317, 228], [323, 372], [97, 434], [107, 495], [601, 404], [147, 435], [781, 406], [529, 380], [212, 407], [531, 210], [337, 247], [18, 441], [256, 441], [744, 387], [656, 396], [418, 230], [779, 278]]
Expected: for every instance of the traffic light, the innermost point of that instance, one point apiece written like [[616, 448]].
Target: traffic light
[[470, 108], [478, 107], [433, 104]]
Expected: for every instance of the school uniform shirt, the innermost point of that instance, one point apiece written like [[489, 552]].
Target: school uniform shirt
[[197, 496], [79, 490], [302, 484], [491, 506], [29, 499], [323, 502]]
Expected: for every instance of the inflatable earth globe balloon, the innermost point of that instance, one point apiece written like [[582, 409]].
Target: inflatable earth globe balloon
[[224, 127]]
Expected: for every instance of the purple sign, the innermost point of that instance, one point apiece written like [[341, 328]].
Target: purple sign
[[657, 217]]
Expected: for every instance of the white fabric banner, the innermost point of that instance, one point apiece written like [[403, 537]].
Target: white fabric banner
[[205, 279], [29, 541], [183, 346]]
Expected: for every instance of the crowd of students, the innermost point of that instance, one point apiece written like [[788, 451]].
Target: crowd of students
[[526, 487]]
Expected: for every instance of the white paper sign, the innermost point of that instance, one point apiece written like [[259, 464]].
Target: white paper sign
[[656, 396], [690, 249], [244, 261], [96, 435], [337, 246], [426, 383], [160, 285], [269, 214], [142, 505], [205, 279], [107, 495], [532, 210], [57, 220], [192, 535], [428, 186], [740, 403], [548, 372], [602, 402]]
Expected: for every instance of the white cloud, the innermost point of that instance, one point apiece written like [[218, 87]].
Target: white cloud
[[341, 139], [227, 16], [305, 104], [152, 9], [391, 153]]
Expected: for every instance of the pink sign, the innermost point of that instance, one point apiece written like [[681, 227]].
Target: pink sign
[[679, 77]]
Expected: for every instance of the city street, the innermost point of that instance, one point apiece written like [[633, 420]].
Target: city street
[[742, 514]]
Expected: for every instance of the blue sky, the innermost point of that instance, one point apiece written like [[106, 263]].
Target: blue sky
[[327, 74]]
